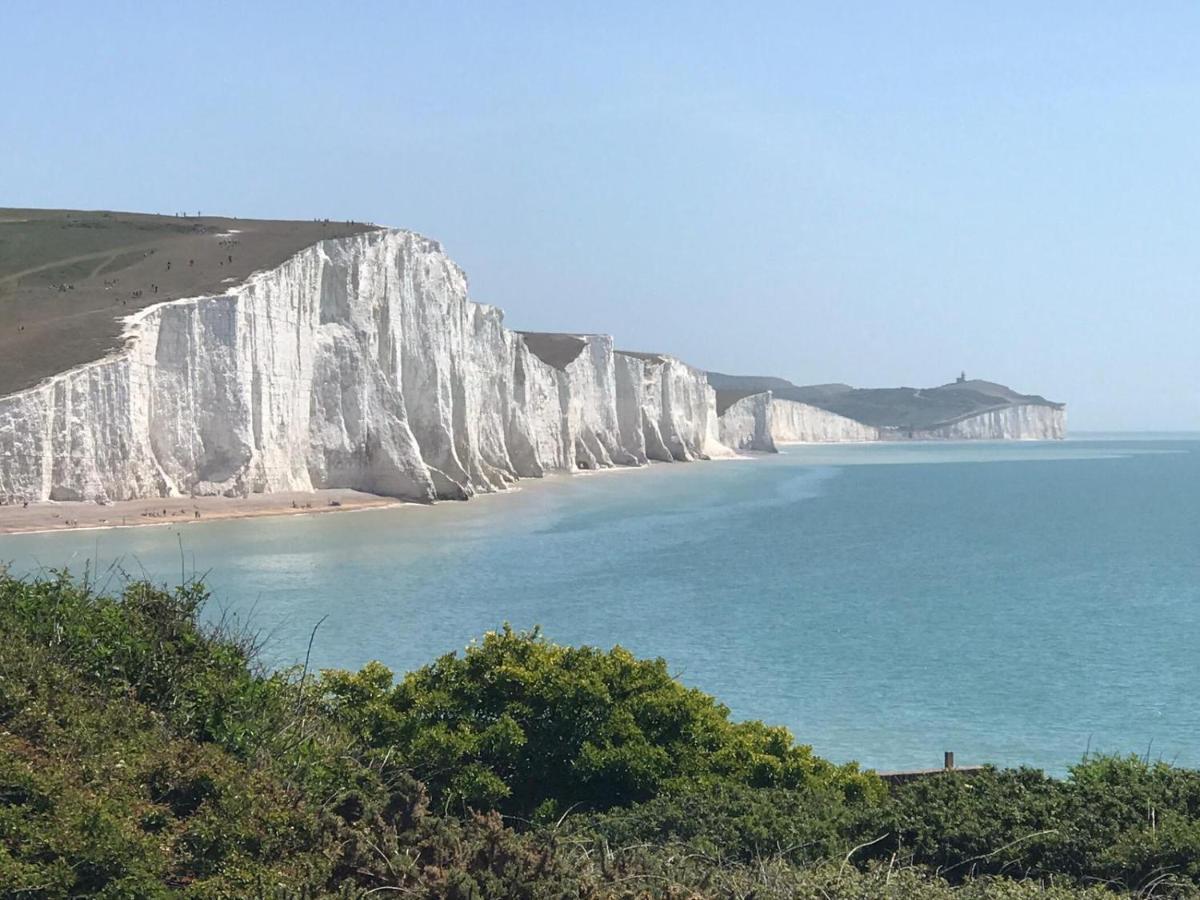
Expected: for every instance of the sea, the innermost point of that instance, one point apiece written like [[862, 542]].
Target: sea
[[1016, 603]]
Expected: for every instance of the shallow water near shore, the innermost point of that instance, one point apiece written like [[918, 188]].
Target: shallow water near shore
[[1015, 603]]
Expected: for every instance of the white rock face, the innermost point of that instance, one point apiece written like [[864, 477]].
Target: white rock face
[[747, 424], [359, 363], [669, 407], [1020, 422], [793, 422]]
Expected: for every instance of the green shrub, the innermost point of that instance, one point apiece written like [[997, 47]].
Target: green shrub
[[532, 728], [735, 823], [1118, 820]]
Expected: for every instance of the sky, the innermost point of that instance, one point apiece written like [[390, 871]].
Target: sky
[[877, 193]]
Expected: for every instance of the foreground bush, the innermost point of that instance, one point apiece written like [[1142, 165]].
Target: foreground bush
[[142, 755], [522, 725], [1124, 821]]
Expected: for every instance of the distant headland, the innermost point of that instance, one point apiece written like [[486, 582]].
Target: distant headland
[[965, 409]]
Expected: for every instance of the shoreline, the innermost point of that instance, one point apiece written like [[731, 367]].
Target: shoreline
[[61, 516], [64, 516]]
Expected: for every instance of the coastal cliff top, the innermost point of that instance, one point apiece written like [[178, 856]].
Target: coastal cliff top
[[68, 277], [902, 407]]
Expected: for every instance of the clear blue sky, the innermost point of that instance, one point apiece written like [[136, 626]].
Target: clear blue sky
[[881, 194]]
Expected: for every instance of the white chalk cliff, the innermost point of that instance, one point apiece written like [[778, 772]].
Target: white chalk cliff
[[761, 422], [748, 424], [1020, 422], [359, 363], [793, 422], [362, 363]]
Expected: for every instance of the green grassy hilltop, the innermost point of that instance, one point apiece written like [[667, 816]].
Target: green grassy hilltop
[[144, 755]]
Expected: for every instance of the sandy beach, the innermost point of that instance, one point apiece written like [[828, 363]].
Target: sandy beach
[[77, 515], [50, 516]]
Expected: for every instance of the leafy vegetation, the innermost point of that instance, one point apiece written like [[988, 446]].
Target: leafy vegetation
[[143, 755], [520, 724], [1123, 821]]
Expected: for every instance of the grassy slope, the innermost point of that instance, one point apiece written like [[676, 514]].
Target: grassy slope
[[110, 263]]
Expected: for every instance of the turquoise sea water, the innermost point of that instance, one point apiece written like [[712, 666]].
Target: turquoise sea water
[[1015, 603]]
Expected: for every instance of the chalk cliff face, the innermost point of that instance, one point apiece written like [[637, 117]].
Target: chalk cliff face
[[1029, 422], [358, 363], [793, 422], [965, 409], [747, 424], [667, 408], [761, 421], [361, 363]]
